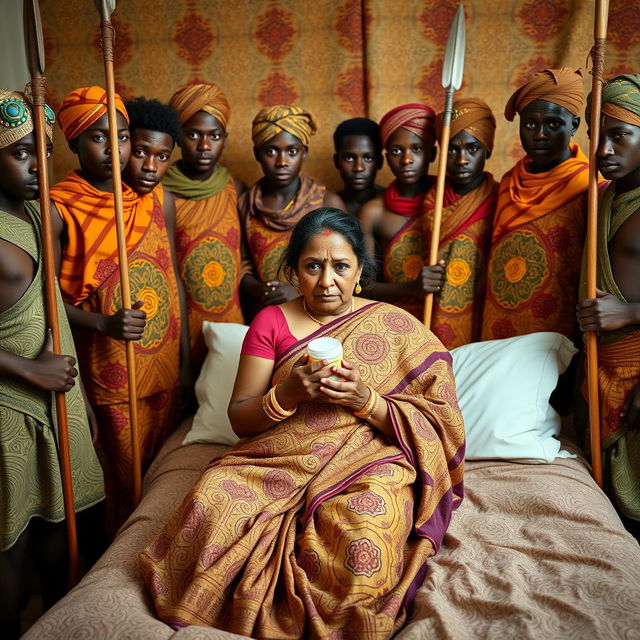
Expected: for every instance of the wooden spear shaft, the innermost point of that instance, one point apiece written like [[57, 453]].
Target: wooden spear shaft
[[35, 57], [600, 38], [437, 211], [107, 38]]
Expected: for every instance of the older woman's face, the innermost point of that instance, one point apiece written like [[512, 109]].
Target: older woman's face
[[327, 272]]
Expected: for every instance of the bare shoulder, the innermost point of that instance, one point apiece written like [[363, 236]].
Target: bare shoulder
[[332, 199], [371, 212]]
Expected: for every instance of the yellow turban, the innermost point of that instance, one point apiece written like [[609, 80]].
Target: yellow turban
[[274, 120], [82, 107], [16, 117], [473, 116], [201, 97], [560, 86]]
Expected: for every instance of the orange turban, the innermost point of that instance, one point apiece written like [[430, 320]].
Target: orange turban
[[473, 116], [201, 97], [560, 86], [417, 118], [271, 121], [82, 107]]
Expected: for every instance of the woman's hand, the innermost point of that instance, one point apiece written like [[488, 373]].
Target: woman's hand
[[303, 383], [350, 393], [277, 292], [605, 312], [50, 371]]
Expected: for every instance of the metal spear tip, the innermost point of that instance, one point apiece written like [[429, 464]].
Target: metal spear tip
[[453, 64], [105, 8], [33, 39]]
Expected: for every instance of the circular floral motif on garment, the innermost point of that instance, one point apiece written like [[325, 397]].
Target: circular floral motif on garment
[[193, 522], [406, 258], [503, 328], [209, 273], [278, 484], [363, 558], [464, 267], [309, 562], [371, 348], [238, 491], [320, 417], [149, 284], [113, 376], [270, 266], [519, 269], [210, 554], [397, 322], [368, 503]]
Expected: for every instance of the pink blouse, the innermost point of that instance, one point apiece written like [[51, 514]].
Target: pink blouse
[[268, 336]]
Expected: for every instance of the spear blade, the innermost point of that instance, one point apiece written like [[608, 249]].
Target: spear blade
[[453, 64], [33, 38], [105, 8]]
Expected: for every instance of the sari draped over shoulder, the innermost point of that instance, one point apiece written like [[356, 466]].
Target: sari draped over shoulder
[[538, 237], [321, 526], [465, 242], [618, 363], [268, 230]]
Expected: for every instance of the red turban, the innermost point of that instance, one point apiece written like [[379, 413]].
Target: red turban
[[417, 118]]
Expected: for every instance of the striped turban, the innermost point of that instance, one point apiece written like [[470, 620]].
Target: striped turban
[[417, 118], [271, 121], [620, 99], [82, 107], [560, 86], [201, 97], [473, 116], [16, 117]]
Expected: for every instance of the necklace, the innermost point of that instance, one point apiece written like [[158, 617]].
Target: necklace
[[320, 322]]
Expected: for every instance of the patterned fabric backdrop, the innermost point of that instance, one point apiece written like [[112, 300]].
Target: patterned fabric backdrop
[[338, 58]]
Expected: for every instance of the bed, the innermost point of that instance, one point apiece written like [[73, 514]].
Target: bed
[[535, 551]]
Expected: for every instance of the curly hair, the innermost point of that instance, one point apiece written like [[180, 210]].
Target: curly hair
[[154, 116]]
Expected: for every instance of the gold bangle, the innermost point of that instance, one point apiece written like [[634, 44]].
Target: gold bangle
[[285, 413], [267, 409], [370, 405]]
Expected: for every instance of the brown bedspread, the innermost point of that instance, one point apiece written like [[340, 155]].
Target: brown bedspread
[[535, 551]]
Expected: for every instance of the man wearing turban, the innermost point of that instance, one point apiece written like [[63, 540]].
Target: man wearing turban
[[84, 221], [539, 224], [32, 510], [207, 223], [394, 221], [615, 312], [467, 218], [275, 203]]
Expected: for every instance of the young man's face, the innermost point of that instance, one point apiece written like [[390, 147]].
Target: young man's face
[[545, 133], [202, 143], [281, 159], [408, 156], [93, 151], [619, 148], [149, 160], [357, 162], [19, 169], [465, 160]]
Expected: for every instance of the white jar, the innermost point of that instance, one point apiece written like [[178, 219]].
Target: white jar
[[326, 349]]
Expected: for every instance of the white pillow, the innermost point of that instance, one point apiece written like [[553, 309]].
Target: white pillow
[[504, 388], [215, 383]]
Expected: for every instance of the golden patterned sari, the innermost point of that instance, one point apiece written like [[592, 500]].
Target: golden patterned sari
[[321, 527]]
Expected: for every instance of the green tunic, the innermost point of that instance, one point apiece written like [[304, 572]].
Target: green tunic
[[30, 484]]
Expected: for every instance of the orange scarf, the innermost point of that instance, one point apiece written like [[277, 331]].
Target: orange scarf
[[90, 219], [524, 196]]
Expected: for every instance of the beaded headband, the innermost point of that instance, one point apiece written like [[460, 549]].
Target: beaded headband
[[16, 117]]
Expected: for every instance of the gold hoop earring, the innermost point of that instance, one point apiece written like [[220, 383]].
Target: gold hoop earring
[[358, 289]]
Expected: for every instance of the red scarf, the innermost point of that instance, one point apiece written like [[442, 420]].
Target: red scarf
[[408, 207]]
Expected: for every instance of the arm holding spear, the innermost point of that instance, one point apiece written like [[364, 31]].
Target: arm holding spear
[[452, 69]]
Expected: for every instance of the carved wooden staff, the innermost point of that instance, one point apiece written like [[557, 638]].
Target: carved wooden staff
[[36, 61], [107, 32], [597, 55], [452, 68]]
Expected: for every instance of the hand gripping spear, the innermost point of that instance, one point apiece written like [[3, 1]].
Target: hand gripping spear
[[105, 9], [452, 68], [35, 59], [597, 55]]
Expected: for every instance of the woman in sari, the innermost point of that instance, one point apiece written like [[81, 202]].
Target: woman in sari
[[320, 521]]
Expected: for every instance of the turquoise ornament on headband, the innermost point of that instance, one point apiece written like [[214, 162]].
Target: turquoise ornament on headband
[[13, 112], [16, 117]]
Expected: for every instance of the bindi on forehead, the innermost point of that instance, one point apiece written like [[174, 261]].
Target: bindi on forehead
[[326, 233]]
